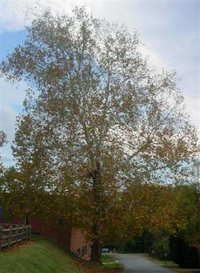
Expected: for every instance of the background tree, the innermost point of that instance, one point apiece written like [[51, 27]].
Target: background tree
[[192, 178], [185, 244], [165, 236], [6, 180], [101, 120], [2, 143]]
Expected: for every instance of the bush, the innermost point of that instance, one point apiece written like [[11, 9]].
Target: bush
[[184, 254], [161, 246]]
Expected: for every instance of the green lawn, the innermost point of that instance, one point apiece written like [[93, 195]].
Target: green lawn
[[108, 258], [41, 256], [110, 262]]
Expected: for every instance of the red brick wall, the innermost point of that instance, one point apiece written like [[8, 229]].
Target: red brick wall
[[52, 229], [73, 240]]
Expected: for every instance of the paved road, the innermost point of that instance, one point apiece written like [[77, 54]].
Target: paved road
[[135, 263]]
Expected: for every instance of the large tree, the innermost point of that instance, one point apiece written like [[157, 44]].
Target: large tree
[[97, 119]]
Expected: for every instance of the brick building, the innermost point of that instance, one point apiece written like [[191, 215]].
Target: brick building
[[61, 232]]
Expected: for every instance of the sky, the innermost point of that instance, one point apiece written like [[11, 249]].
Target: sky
[[169, 31]]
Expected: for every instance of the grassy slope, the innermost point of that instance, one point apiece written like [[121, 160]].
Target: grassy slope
[[40, 256], [43, 256]]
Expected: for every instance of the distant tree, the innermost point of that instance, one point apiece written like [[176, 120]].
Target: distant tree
[[2, 143], [21, 198], [33, 182], [187, 242], [100, 120], [2, 138], [192, 180], [182, 245], [7, 187]]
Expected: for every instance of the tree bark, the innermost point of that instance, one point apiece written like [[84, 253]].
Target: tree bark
[[96, 251], [27, 219], [96, 241]]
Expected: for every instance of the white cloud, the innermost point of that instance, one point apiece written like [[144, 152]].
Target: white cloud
[[6, 155], [12, 96], [10, 106], [193, 109], [8, 120], [12, 93], [14, 13], [154, 58]]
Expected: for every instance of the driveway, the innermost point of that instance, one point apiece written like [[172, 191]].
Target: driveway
[[135, 263]]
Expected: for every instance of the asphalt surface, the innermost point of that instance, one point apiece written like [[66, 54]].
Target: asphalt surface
[[135, 263]]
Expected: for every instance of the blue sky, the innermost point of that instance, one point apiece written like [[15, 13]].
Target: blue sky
[[170, 32]]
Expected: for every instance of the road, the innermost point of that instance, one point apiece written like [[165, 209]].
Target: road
[[135, 263]]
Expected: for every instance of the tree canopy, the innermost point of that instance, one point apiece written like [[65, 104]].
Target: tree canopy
[[97, 120]]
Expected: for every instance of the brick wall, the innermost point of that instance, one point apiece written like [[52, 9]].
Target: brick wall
[[61, 232]]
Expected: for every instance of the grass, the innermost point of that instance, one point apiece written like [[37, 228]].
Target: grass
[[108, 258], [162, 262], [41, 255], [110, 262]]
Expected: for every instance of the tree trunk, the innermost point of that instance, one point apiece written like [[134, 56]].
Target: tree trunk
[[96, 242], [27, 219], [96, 251]]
